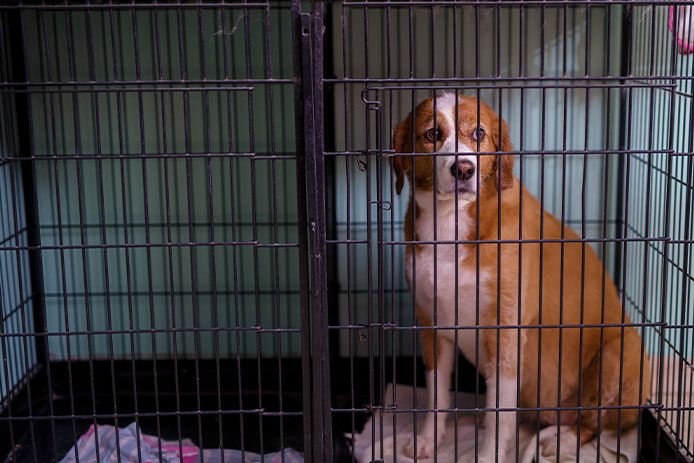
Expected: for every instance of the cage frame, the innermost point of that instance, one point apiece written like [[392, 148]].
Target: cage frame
[[317, 229]]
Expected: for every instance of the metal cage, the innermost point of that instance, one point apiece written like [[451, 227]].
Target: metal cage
[[200, 231]]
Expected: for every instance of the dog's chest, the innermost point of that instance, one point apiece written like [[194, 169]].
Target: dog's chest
[[438, 281]]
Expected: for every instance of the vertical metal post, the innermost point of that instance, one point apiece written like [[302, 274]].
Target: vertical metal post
[[381, 205], [310, 35], [665, 290], [330, 193], [623, 127], [302, 221]]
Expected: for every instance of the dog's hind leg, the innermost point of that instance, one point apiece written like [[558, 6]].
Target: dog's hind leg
[[615, 393]]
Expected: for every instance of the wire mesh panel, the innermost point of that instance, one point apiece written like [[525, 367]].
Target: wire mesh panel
[[158, 147], [16, 301], [661, 121], [578, 84], [367, 230], [431, 33]]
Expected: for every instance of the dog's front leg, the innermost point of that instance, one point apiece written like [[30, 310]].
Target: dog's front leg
[[499, 427], [495, 441], [439, 367]]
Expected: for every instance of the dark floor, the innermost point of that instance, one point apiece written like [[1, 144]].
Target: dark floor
[[49, 440]]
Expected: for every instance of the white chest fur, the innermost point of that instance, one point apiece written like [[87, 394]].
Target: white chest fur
[[433, 278]]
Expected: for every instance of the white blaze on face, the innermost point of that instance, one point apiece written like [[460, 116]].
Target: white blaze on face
[[445, 180]]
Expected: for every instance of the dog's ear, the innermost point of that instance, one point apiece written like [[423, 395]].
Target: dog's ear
[[503, 170], [402, 143]]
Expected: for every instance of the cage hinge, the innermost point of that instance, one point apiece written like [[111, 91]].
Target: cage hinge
[[361, 164], [371, 104], [384, 205]]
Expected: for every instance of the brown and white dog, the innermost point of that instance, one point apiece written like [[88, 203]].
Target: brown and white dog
[[442, 207]]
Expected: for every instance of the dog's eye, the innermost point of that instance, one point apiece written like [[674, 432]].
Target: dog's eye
[[433, 134], [478, 134]]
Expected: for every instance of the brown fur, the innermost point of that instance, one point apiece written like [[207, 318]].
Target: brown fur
[[565, 307]]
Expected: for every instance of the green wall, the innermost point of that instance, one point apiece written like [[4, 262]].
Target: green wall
[[16, 305], [155, 201]]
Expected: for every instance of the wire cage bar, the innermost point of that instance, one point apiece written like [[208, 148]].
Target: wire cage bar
[[150, 203], [202, 231]]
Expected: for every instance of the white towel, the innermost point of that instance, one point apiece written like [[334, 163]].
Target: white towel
[[363, 444]]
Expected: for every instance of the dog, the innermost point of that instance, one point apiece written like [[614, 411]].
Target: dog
[[495, 282]]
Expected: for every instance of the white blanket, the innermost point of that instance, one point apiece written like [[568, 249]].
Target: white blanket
[[363, 443]]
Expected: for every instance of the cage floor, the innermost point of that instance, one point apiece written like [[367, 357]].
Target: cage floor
[[49, 440]]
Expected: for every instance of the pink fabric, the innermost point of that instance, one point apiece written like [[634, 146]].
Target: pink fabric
[[683, 30], [129, 445], [89, 432], [190, 454], [107, 444]]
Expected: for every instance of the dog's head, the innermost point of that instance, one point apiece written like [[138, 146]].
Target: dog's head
[[432, 129]]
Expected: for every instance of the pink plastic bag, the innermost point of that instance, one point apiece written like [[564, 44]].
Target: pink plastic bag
[[684, 29]]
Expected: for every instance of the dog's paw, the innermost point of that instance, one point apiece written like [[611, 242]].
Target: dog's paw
[[425, 448], [567, 442]]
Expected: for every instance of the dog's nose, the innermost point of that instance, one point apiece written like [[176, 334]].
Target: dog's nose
[[463, 169]]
